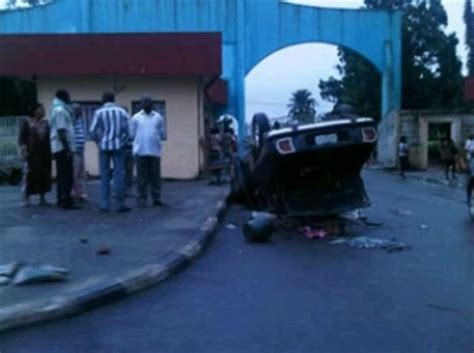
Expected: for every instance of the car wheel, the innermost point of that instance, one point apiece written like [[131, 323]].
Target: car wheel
[[260, 126]]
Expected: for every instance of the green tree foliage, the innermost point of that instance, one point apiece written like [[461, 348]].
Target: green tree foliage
[[302, 106], [14, 3], [469, 21], [430, 67], [17, 97]]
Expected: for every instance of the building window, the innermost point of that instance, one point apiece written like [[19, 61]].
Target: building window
[[159, 106], [87, 114]]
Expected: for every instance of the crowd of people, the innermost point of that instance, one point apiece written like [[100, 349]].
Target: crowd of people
[[121, 140], [222, 147], [453, 161]]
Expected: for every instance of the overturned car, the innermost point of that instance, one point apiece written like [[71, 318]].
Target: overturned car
[[307, 170]]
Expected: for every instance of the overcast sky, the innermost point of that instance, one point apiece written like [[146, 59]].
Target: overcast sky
[[271, 83]]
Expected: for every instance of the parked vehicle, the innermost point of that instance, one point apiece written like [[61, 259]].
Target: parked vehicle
[[306, 170]]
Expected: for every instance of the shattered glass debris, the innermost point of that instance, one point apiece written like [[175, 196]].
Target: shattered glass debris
[[231, 226], [364, 242], [404, 213]]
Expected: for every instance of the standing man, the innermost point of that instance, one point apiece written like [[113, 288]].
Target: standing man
[[148, 131], [403, 156], [110, 130], [63, 147], [79, 169]]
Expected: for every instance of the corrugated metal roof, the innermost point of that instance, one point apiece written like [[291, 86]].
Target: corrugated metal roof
[[117, 54]]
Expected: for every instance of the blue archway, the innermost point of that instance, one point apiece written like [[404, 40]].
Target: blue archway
[[251, 30]]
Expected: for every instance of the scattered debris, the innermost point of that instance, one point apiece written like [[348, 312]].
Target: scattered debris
[[231, 226], [260, 227], [423, 226], [103, 250], [444, 308], [363, 242], [40, 274], [9, 270], [314, 228], [4, 280], [323, 229], [317, 233], [371, 224], [404, 213], [351, 215]]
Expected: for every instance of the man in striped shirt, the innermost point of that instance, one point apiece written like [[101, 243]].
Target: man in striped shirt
[[79, 168], [110, 130]]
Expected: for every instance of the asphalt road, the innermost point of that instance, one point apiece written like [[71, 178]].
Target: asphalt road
[[301, 295]]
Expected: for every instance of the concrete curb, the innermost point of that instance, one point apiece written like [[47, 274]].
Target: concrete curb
[[101, 291]]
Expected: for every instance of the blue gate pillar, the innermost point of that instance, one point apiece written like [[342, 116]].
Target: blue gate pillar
[[392, 71]]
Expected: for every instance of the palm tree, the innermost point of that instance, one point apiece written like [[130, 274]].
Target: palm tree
[[302, 107]]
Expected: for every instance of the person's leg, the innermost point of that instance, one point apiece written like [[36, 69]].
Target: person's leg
[[25, 197], [75, 187], [104, 166], [119, 178], [453, 169], [82, 177], [68, 179], [141, 179], [470, 186], [446, 170], [402, 167], [128, 169], [155, 179], [60, 157]]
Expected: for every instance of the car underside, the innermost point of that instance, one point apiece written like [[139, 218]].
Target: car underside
[[308, 170]]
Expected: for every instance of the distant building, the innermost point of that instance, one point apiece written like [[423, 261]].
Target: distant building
[[180, 71]]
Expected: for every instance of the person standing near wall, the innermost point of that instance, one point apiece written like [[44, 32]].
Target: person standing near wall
[[35, 149], [110, 131], [448, 153], [63, 147], [148, 131], [403, 156], [79, 169]]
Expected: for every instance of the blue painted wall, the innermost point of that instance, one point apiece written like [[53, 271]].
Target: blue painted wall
[[251, 29]]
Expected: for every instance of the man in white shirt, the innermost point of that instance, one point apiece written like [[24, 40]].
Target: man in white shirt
[[147, 129], [469, 146], [63, 145]]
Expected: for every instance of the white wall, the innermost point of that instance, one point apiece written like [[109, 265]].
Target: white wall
[[180, 157]]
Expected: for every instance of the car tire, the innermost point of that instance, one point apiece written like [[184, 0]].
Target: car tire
[[260, 126]]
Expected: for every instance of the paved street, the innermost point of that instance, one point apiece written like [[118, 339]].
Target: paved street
[[48, 235], [301, 295]]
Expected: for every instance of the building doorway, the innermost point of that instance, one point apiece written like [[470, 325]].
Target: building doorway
[[437, 132]]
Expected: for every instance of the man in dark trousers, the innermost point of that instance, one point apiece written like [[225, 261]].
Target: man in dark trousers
[[63, 147], [147, 128], [110, 130]]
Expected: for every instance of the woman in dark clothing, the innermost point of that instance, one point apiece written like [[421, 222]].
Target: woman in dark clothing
[[36, 151]]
